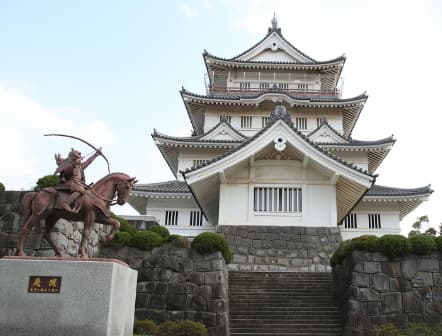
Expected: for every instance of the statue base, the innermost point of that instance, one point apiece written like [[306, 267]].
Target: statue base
[[53, 296]]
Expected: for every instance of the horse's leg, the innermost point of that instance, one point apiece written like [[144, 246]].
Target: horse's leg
[[89, 219], [49, 225], [29, 224], [109, 221]]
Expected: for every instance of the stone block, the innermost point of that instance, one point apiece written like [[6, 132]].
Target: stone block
[[360, 279], [380, 282], [429, 265], [392, 268], [437, 279], [423, 293], [96, 298], [217, 305], [412, 304], [398, 319], [409, 268], [161, 274], [373, 309], [368, 294], [157, 301], [372, 266], [239, 259], [422, 279], [391, 302], [196, 302], [213, 278]]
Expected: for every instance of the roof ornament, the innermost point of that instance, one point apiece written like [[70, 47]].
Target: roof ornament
[[280, 113], [274, 27]]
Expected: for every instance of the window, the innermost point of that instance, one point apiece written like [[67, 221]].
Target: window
[[171, 218], [301, 123], [244, 86], [264, 86], [350, 221], [277, 199], [283, 86], [302, 86], [196, 218], [225, 118], [246, 122], [318, 122], [197, 163], [374, 221], [264, 121]]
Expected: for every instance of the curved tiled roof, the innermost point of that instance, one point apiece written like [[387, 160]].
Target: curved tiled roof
[[197, 138], [384, 191], [334, 60], [258, 134], [322, 99], [173, 186], [350, 141]]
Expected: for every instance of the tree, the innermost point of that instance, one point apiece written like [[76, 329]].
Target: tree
[[47, 181], [417, 225], [431, 232], [2, 187]]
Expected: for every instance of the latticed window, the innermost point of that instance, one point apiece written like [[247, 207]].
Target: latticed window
[[374, 221], [171, 218], [197, 163], [264, 86], [350, 221], [244, 85], [246, 122], [301, 123], [196, 218], [264, 121], [277, 199], [283, 86], [318, 122], [302, 86]]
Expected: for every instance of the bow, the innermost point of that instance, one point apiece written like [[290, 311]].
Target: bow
[[87, 143]]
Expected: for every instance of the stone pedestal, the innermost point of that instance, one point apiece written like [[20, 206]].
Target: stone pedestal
[[90, 297]]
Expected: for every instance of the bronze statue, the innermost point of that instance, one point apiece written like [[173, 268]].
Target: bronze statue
[[92, 203]]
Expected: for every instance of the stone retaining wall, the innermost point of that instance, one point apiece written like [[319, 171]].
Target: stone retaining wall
[[373, 290], [276, 248], [66, 234], [177, 283]]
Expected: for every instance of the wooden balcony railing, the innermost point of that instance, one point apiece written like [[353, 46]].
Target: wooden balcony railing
[[290, 92]]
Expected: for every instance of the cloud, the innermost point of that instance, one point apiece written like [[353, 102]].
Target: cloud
[[23, 148], [188, 11]]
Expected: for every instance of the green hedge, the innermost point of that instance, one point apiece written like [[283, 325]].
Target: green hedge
[[170, 328], [208, 242], [124, 225], [161, 230], [411, 329], [389, 245], [146, 240]]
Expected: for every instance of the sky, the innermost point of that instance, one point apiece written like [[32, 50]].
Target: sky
[[110, 72]]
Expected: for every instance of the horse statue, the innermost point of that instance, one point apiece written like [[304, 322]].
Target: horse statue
[[48, 204]]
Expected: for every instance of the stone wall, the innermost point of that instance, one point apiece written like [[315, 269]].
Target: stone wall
[[281, 248], [176, 283], [373, 290], [66, 234]]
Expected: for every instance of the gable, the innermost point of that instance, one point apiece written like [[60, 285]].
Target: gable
[[223, 132], [274, 48], [326, 135]]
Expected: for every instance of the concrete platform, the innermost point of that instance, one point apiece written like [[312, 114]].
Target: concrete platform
[[52, 296]]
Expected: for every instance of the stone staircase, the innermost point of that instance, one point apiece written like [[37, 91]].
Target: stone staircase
[[283, 304]]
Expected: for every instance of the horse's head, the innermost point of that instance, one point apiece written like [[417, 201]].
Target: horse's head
[[123, 189]]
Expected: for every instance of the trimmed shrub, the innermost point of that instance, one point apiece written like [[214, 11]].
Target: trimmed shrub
[[438, 241], [394, 246], [208, 242], [423, 244], [121, 239], [146, 240], [2, 187], [388, 329], [161, 231], [178, 241], [145, 327], [182, 328], [365, 243], [47, 181], [124, 225]]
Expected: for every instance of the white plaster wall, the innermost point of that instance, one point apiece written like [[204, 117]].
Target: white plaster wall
[[318, 196], [390, 222], [360, 159]]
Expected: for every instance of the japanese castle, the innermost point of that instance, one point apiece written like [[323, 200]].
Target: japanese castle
[[272, 145]]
